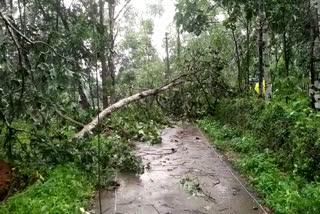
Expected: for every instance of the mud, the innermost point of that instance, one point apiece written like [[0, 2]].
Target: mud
[[185, 154], [5, 179]]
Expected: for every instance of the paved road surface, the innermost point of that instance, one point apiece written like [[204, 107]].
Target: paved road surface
[[184, 156]]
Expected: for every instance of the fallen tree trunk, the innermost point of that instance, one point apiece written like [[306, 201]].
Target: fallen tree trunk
[[126, 101]]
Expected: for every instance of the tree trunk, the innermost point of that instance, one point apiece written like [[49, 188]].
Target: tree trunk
[[266, 63], [247, 76], [286, 53], [111, 53], [260, 46], [83, 98], [167, 53], [102, 56], [315, 55], [238, 60], [178, 44]]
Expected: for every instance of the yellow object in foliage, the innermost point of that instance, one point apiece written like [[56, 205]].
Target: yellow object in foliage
[[256, 88]]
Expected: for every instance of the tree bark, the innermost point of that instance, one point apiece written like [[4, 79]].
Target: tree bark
[[178, 43], [247, 76], [238, 60], [266, 64], [286, 53], [85, 105], [260, 46], [167, 54], [314, 90], [111, 46], [102, 56]]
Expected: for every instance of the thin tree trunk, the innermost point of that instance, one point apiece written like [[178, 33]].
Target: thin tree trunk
[[260, 46], [167, 53], [84, 100], [102, 56], [91, 89], [317, 74], [286, 53], [267, 72], [315, 53], [178, 44], [248, 54], [111, 54], [238, 60], [57, 15]]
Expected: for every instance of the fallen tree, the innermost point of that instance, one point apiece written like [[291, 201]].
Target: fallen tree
[[151, 92]]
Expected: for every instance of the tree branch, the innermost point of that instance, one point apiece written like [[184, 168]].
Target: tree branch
[[8, 23], [127, 101], [69, 119], [124, 7]]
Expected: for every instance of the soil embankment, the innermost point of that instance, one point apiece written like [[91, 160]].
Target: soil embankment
[[5, 179]]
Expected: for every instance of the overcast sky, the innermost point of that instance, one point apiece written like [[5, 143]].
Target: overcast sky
[[161, 23]]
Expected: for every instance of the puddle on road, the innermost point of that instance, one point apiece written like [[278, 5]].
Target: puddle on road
[[183, 154]]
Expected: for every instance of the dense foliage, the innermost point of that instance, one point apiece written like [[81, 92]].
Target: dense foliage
[[283, 190], [55, 195], [288, 129]]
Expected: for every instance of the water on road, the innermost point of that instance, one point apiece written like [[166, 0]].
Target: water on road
[[183, 175]]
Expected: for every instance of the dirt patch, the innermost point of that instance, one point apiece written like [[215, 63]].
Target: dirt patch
[[5, 179]]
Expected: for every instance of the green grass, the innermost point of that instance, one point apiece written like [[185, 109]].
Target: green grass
[[284, 192], [66, 190]]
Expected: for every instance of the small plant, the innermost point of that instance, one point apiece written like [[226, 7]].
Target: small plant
[[190, 186]]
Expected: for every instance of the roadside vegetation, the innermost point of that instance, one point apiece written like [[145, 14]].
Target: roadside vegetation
[[65, 190], [281, 163]]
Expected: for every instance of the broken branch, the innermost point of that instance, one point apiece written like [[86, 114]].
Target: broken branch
[[69, 119], [126, 101], [9, 24]]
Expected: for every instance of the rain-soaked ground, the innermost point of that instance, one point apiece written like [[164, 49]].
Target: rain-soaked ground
[[183, 174]]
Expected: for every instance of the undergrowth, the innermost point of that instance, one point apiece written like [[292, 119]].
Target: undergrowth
[[66, 190], [283, 191], [288, 127], [34, 152]]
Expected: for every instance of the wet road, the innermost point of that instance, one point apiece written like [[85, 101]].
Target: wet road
[[184, 174]]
